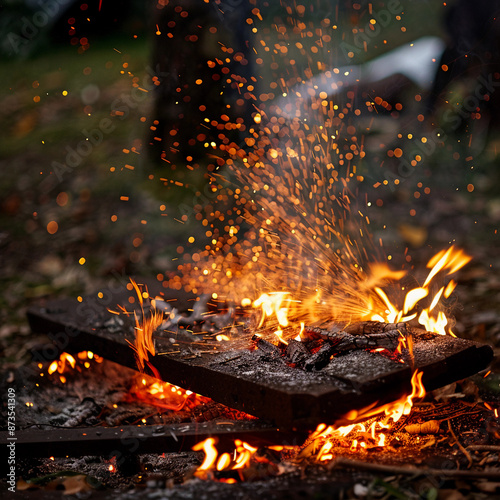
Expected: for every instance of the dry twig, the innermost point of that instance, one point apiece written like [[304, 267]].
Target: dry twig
[[413, 471], [464, 451], [483, 447]]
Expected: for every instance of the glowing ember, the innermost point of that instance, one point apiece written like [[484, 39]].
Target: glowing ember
[[111, 464], [163, 395]]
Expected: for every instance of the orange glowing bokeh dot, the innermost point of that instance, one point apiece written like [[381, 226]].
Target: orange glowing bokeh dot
[[62, 199], [52, 227]]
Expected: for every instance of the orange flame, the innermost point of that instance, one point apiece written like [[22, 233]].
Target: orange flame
[[450, 260], [272, 303], [322, 438], [224, 461], [210, 453], [60, 364], [276, 305], [242, 455], [67, 363], [391, 411], [144, 329]]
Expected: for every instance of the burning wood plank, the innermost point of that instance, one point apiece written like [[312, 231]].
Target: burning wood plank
[[133, 439], [242, 377]]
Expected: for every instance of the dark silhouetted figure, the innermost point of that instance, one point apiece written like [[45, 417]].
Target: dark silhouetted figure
[[202, 58], [472, 57]]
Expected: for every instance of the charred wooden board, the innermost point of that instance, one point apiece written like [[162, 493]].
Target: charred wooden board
[[135, 440], [258, 383]]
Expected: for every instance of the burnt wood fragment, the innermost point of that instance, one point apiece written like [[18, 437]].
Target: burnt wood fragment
[[266, 347], [321, 357], [296, 352]]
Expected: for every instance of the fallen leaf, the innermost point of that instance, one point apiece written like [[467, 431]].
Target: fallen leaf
[[76, 484], [51, 265], [22, 485], [450, 495], [25, 124], [488, 486]]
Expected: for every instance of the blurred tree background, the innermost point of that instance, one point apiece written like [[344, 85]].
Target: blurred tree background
[[99, 102]]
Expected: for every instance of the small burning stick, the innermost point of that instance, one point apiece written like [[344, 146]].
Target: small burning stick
[[369, 327], [343, 341]]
